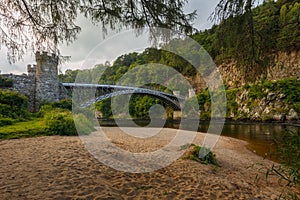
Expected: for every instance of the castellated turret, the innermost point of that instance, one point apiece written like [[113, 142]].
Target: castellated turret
[[47, 85], [31, 70]]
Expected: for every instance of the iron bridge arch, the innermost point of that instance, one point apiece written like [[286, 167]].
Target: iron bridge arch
[[109, 91]]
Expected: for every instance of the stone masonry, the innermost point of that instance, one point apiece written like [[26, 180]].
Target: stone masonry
[[47, 85], [41, 83]]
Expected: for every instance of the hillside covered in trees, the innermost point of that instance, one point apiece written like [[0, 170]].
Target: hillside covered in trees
[[250, 42], [272, 27]]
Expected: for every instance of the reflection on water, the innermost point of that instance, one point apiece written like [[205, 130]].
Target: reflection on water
[[260, 136]]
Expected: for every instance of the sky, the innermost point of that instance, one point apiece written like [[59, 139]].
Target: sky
[[91, 42]]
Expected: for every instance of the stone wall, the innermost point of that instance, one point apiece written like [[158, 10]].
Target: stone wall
[[41, 83], [47, 85], [24, 84]]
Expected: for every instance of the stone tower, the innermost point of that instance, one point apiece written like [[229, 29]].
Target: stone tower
[[47, 85], [31, 87]]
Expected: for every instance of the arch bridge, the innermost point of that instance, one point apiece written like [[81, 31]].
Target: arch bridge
[[103, 92]]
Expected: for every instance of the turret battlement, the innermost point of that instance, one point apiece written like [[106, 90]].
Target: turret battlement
[[47, 86], [41, 83], [31, 70], [45, 56]]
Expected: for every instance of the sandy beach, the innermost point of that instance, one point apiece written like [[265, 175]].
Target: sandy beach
[[57, 167]]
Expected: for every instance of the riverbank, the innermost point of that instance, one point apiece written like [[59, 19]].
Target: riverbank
[[57, 167]]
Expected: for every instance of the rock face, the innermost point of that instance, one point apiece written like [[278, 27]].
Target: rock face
[[283, 65], [272, 105], [41, 83], [269, 108]]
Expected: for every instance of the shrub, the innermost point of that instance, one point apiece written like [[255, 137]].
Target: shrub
[[32, 128], [13, 105], [83, 124], [6, 121], [288, 153], [64, 104], [5, 82], [202, 155], [256, 91], [60, 123], [46, 108]]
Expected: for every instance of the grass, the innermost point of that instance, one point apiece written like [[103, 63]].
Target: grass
[[33, 128]]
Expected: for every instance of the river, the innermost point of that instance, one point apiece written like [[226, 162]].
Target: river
[[260, 136]]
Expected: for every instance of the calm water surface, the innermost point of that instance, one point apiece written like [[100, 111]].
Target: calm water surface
[[260, 136]]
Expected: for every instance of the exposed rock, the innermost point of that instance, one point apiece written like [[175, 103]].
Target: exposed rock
[[284, 65], [271, 96], [292, 115], [279, 117]]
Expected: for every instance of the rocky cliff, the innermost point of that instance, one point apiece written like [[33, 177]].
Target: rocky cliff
[[269, 93]]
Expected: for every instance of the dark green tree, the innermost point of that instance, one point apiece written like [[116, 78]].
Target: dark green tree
[[237, 16]]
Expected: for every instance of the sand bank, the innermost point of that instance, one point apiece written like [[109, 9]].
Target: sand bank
[[61, 168]]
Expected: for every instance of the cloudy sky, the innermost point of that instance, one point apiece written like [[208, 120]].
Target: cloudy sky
[[91, 40]]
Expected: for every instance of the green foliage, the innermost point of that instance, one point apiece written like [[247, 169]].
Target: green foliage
[[13, 105], [288, 153], [104, 107], [44, 109], [289, 34], [32, 128], [255, 91], [250, 36], [290, 88], [83, 124], [127, 62], [68, 77], [232, 105], [203, 97], [207, 39], [204, 103], [296, 106], [63, 104], [51, 121], [139, 106], [6, 121], [202, 155], [5, 82], [61, 122]]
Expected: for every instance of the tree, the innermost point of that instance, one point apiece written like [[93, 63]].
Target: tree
[[239, 16], [289, 22], [31, 25]]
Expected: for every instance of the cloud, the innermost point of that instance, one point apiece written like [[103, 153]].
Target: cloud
[[204, 9], [91, 36], [15, 68]]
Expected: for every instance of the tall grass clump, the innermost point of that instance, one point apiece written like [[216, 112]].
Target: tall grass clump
[[288, 171]]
